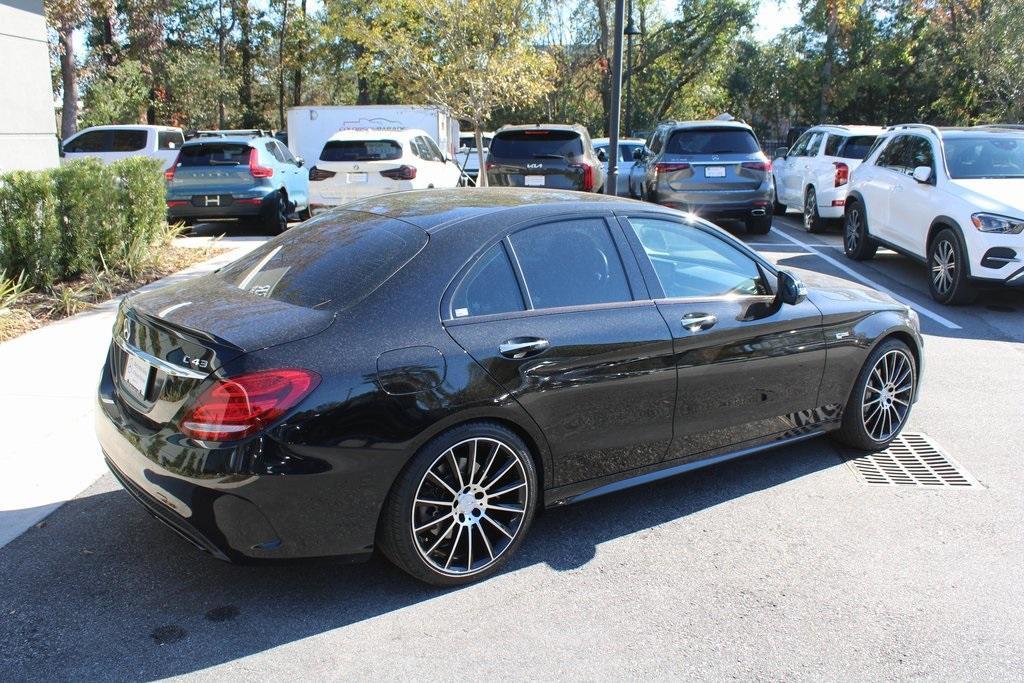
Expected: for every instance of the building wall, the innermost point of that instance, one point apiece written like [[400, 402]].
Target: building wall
[[28, 130]]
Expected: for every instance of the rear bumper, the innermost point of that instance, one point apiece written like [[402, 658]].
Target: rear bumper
[[240, 207], [731, 204]]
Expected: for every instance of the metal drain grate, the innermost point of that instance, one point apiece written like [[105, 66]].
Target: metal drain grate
[[912, 460]]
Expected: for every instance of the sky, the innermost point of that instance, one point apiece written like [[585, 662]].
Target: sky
[[775, 15]]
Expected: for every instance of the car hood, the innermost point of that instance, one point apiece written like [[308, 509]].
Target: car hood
[[1001, 195], [831, 294]]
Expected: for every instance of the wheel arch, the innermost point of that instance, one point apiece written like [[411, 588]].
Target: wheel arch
[[940, 223]]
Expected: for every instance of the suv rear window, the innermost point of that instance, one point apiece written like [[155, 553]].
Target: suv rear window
[[849, 147], [330, 262], [361, 150], [214, 154], [528, 144], [712, 141]]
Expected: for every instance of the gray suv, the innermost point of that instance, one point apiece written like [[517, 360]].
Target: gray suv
[[712, 168], [544, 155]]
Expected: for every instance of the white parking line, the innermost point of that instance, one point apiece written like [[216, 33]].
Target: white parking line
[[945, 322]]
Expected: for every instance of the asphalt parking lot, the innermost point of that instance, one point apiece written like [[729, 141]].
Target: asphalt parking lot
[[783, 565]]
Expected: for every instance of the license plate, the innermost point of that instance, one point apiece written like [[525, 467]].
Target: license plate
[[357, 177], [533, 180], [714, 171], [211, 200], [136, 374]]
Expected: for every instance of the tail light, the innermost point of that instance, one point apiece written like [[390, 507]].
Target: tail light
[[842, 173], [588, 175], [237, 407], [488, 165], [668, 167], [176, 202], [319, 174], [765, 166], [169, 173], [255, 170], [400, 173]]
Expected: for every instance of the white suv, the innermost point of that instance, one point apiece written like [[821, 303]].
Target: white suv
[[110, 143], [362, 163], [812, 175], [950, 198]]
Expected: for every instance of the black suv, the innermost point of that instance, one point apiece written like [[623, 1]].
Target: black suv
[[544, 155]]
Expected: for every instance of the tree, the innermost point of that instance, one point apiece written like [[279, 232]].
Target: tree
[[468, 57], [65, 16]]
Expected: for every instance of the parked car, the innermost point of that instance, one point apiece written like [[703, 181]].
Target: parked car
[[363, 163], [627, 152], [712, 168], [544, 155], [951, 198], [422, 371], [110, 143], [468, 157], [814, 174], [217, 178]]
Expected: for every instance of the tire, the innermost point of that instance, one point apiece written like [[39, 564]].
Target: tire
[[813, 222], [759, 225], [857, 242], [948, 279], [459, 531], [880, 402], [276, 220], [305, 214]]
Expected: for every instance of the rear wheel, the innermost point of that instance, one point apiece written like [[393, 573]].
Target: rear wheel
[[462, 506], [813, 222], [948, 277], [857, 243], [879, 405], [759, 225], [276, 219]]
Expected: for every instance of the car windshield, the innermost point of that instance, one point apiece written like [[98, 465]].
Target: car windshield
[[712, 141], [331, 261], [361, 150], [999, 156], [215, 154], [527, 144]]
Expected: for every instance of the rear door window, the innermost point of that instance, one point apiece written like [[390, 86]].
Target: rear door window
[[361, 150], [490, 287], [127, 140], [331, 262], [570, 263], [214, 154], [712, 141], [529, 144]]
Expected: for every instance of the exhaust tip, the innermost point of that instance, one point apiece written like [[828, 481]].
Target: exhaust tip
[[757, 212]]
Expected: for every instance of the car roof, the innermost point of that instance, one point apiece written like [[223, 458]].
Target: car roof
[[575, 127], [982, 131], [377, 134], [853, 129], [628, 141], [436, 209], [234, 139], [130, 126], [707, 123]]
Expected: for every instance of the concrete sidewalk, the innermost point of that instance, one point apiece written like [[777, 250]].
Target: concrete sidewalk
[[49, 453]]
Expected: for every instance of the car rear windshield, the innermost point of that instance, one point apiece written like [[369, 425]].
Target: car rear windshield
[[712, 141], [999, 156], [361, 150], [330, 262], [215, 154], [851, 147], [539, 143]]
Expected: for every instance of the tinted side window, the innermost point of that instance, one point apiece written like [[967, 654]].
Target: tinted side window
[[127, 140], [91, 141], [832, 145], [169, 139], [626, 151], [812, 146], [571, 263], [919, 153], [658, 141], [690, 262], [434, 151], [798, 147], [489, 287], [285, 153], [891, 155], [274, 151]]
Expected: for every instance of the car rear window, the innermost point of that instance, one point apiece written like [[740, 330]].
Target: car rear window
[[528, 144], [214, 154], [361, 150], [849, 147], [330, 262], [712, 141]]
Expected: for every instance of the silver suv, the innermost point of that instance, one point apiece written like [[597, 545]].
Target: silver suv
[[712, 168]]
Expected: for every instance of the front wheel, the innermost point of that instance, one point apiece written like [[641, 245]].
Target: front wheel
[[880, 402], [813, 222], [462, 506], [857, 243], [948, 278]]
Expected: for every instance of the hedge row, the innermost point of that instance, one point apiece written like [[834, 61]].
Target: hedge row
[[58, 223]]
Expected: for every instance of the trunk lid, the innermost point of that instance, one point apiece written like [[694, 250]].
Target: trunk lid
[[537, 157]]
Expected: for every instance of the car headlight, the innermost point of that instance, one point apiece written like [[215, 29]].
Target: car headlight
[[990, 222]]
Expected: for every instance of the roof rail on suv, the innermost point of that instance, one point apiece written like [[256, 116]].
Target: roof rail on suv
[[1006, 126], [930, 128]]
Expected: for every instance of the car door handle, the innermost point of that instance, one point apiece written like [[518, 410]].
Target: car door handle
[[522, 347], [695, 322]]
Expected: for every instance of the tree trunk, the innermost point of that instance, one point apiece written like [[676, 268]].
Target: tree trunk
[[245, 50], [221, 58], [69, 81], [831, 29], [297, 77], [280, 65], [603, 50], [481, 172]]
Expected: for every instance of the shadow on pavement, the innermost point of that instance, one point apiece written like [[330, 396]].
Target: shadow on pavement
[[102, 590]]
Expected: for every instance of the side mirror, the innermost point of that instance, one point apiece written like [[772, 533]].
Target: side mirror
[[792, 290], [300, 162], [923, 174], [638, 153], [780, 153]]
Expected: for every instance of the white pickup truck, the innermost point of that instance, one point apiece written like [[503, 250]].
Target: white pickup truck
[[110, 143]]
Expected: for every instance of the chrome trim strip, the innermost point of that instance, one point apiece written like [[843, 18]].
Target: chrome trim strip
[[685, 467], [159, 363]]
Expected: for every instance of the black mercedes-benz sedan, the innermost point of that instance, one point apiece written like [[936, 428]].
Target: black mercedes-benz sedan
[[422, 372]]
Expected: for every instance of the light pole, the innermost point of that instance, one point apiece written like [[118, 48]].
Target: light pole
[[631, 30], [616, 103]]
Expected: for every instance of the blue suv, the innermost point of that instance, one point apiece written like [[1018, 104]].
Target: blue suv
[[235, 177]]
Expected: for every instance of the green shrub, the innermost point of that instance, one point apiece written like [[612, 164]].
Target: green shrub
[[86, 196], [29, 226]]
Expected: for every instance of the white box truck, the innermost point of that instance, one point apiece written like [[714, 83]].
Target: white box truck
[[310, 127]]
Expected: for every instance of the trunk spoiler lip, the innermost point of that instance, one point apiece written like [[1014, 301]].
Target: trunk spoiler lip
[[179, 330]]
